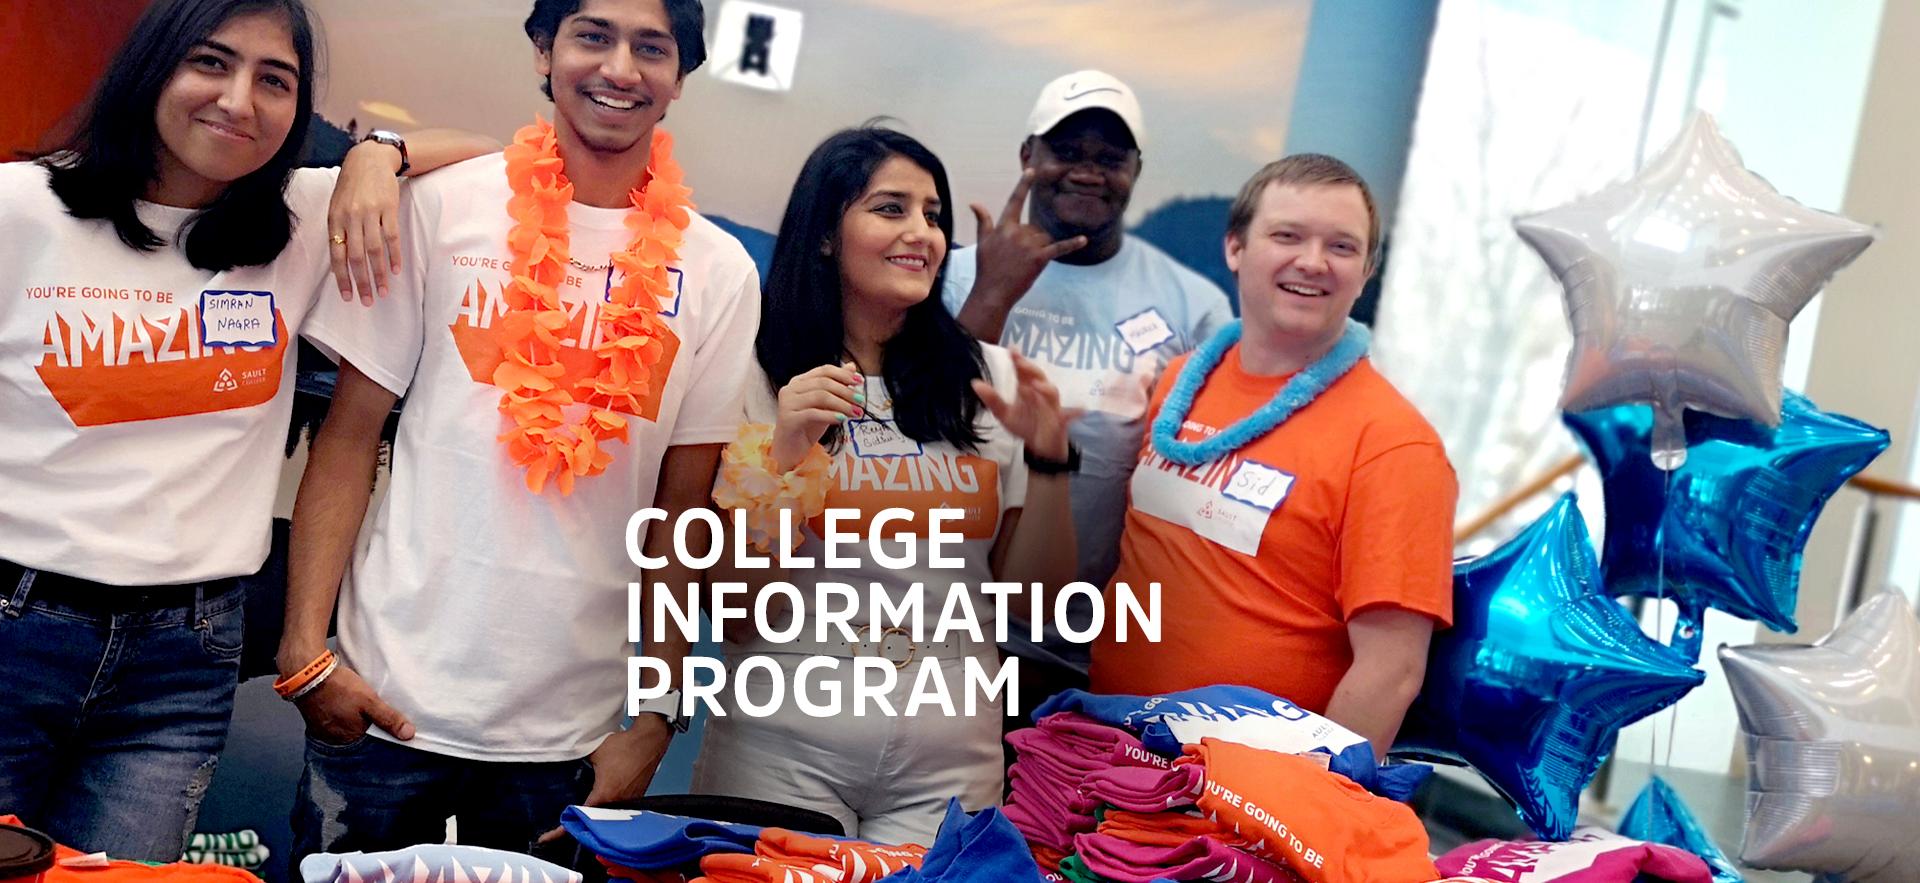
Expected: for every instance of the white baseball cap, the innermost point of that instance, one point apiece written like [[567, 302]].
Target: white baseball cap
[[1085, 90]]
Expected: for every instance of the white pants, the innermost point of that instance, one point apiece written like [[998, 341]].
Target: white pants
[[885, 778]]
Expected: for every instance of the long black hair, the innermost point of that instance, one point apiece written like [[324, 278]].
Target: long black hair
[[932, 362], [114, 156]]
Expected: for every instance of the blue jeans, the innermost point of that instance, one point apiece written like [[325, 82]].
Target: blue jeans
[[372, 795], [114, 704]]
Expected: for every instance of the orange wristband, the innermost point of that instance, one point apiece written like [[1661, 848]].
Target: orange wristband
[[292, 683]]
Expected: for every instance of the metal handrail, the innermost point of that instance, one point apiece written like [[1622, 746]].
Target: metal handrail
[[1523, 493]]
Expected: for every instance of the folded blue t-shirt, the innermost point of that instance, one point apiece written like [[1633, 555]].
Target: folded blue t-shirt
[[985, 848], [1247, 716], [432, 863], [649, 841]]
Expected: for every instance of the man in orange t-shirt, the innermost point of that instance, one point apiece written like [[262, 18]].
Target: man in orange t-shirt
[[1306, 550]]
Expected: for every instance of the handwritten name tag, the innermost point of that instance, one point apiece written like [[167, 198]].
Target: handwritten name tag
[[880, 438], [238, 318], [1258, 485], [1144, 330]]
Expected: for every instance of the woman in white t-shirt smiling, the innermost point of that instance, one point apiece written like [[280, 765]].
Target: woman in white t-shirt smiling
[[915, 414], [151, 273]]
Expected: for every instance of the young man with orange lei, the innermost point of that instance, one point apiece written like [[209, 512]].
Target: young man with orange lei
[[1297, 509], [571, 342]]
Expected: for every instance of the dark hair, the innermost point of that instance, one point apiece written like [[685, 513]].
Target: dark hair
[[1303, 170], [114, 156], [931, 363], [686, 18]]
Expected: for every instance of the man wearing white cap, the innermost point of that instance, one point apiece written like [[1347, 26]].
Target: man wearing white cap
[[1100, 310]]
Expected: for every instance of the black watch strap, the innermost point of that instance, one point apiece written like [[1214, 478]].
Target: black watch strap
[[393, 140], [1054, 467]]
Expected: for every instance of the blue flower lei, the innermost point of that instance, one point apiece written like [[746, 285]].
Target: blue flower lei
[[1303, 388]]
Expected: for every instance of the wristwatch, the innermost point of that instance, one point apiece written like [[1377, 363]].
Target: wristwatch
[[1054, 467], [668, 707], [393, 140]]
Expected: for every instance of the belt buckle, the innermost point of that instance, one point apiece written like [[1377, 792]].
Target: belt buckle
[[880, 647]]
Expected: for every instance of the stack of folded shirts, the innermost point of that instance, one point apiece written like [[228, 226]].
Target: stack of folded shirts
[[1198, 858], [1147, 830], [1257, 816], [782, 856], [1321, 825], [1169, 723], [1170, 828], [239, 849], [1144, 789], [1052, 760]]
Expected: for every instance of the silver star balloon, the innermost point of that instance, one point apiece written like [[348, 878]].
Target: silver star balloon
[[1833, 747], [1680, 282]]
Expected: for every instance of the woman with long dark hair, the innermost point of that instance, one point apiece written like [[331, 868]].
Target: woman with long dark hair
[[871, 384], [151, 274]]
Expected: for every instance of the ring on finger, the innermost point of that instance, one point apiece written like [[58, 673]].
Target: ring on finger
[[338, 239]]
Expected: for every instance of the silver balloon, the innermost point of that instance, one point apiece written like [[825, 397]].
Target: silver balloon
[[1680, 282], [1833, 747]]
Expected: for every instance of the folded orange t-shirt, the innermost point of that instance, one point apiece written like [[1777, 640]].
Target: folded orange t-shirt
[[857, 862], [119, 871], [1165, 828], [739, 867], [635, 875], [1319, 823]]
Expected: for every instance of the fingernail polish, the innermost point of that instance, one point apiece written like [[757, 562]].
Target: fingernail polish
[[859, 412], [840, 417], [860, 397]]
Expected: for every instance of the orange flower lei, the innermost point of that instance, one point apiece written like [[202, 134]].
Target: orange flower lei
[[545, 440]]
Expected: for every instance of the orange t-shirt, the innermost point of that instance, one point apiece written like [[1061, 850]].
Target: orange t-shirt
[[1320, 824], [123, 871], [854, 861], [1264, 555]]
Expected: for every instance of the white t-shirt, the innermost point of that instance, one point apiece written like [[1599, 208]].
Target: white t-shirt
[[133, 452], [1103, 333], [495, 618], [877, 467]]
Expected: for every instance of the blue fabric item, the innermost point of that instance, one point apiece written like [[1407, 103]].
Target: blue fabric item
[[650, 841], [1658, 815], [1247, 716], [985, 848], [433, 863]]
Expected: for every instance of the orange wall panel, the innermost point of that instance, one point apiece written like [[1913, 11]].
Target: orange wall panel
[[51, 52]]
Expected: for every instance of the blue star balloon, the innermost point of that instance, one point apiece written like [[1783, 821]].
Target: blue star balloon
[[1659, 816], [1539, 673], [1734, 520]]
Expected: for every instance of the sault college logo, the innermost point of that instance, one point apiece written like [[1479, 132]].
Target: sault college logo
[[105, 367]]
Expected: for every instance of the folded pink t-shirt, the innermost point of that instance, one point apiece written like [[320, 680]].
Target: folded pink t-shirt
[[1144, 789], [1200, 858], [1095, 739], [1591, 855], [1170, 828]]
